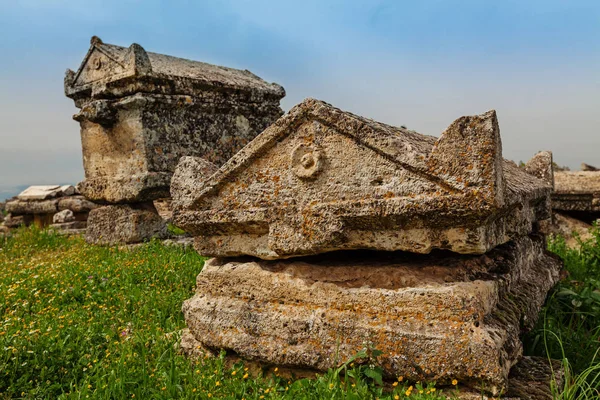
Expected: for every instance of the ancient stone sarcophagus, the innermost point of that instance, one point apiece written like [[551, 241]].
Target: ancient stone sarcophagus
[[577, 191], [142, 111], [321, 179]]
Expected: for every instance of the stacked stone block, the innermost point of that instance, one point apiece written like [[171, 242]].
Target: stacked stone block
[[140, 112], [363, 234], [59, 207]]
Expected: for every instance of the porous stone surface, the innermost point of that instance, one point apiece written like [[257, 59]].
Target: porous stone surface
[[190, 172], [535, 378], [77, 204], [435, 317], [124, 223], [142, 111], [63, 216], [541, 167], [576, 191], [20, 207], [321, 179]]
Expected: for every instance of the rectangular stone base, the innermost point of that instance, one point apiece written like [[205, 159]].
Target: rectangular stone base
[[435, 317], [124, 224]]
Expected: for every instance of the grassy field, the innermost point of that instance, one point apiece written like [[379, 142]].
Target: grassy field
[[81, 321]]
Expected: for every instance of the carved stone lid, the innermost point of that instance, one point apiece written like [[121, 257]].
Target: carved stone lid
[[577, 182], [114, 71], [321, 179]]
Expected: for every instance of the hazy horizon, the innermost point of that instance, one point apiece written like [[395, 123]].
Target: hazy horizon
[[418, 64]]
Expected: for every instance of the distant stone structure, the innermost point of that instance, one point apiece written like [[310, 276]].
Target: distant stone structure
[[321, 182], [142, 111], [60, 207], [578, 192]]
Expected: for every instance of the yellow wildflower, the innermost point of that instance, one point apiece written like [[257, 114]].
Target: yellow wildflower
[[454, 382]]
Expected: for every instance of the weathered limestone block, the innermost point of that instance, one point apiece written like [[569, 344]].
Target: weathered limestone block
[[189, 172], [63, 216], [20, 207], [77, 204], [435, 317], [576, 191], [541, 167], [125, 223], [320, 179], [44, 192], [141, 112]]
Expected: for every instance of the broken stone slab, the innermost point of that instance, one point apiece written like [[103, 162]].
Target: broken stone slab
[[44, 192], [541, 166], [125, 223], [142, 111], [77, 204], [21, 207], [63, 216], [435, 317], [321, 179], [189, 172], [576, 191]]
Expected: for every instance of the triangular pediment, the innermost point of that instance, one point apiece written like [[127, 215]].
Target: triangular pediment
[[418, 155], [98, 65]]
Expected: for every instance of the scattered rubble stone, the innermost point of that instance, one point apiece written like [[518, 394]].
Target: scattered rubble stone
[[142, 111], [320, 179], [63, 216], [125, 223]]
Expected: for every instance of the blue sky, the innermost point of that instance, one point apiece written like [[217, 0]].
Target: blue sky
[[421, 64]]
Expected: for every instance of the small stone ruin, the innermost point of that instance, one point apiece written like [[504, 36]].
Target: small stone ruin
[[577, 193], [59, 207], [333, 233], [140, 112]]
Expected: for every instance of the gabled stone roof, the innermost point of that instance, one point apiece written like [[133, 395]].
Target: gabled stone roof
[[321, 179], [108, 64]]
